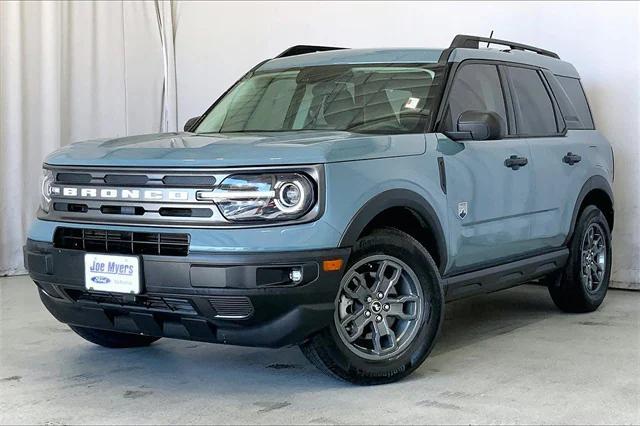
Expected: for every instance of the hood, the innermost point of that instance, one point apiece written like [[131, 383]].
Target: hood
[[235, 149]]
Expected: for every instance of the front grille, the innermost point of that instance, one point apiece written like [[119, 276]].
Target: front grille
[[121, 242], [138, 180], [232, 307], [135, 196], [154, 303]]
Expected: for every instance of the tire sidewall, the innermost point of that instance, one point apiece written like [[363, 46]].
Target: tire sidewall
[[396, 244], [590, 215]]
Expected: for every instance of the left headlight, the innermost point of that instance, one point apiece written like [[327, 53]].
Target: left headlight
[[271, 197], [45, 189]]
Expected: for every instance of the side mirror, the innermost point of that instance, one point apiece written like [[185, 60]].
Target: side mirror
[[190, 123], [478, 126]]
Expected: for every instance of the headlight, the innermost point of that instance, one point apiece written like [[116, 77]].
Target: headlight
[[247, 197], [45, 189]]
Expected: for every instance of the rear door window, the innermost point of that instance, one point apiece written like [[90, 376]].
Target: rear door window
[[534, 110], [476, 87]]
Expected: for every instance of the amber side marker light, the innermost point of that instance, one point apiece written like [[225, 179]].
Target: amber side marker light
[[332, 265]]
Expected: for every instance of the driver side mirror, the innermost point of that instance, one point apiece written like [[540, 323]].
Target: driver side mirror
[[190, 123], [478, 126]]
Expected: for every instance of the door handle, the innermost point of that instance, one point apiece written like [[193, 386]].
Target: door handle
[[571, 158], [515, 162]]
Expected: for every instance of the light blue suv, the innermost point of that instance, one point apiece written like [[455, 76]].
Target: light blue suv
[[334, 199]]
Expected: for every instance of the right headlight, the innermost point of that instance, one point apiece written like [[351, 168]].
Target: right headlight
[[270, 197]]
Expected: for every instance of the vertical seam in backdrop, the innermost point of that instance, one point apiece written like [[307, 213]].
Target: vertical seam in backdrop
[[124, 62]]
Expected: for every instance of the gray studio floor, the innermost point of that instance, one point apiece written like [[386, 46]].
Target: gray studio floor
[[506, 358]]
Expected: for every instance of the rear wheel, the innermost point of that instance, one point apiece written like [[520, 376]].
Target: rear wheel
[[113, 339], [388, 312], [583, 284]]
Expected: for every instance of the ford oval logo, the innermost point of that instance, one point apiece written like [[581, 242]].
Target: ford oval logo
[[100, 279]]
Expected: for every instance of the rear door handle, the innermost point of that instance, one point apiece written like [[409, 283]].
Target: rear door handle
[[516, 162], [571, 158]]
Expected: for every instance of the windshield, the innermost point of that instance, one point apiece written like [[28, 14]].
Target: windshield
[[360, 98]]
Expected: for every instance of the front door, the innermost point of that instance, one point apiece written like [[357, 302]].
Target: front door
[[490, 204], [489, 183]]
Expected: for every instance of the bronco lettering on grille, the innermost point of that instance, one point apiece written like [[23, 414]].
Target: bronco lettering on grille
[[119, 193]]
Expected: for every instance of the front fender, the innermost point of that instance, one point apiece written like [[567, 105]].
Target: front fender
[[396, 198]]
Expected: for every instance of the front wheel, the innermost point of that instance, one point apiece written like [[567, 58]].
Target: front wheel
[[388, 313], [583, 284]]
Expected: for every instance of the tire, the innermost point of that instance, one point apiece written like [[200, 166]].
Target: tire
[[570, 289], [416, 292], [113, 339]]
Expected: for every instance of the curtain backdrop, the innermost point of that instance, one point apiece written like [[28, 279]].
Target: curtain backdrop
[[72, 71]]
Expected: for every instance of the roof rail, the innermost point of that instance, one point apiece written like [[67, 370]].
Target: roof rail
[[301, 49], [473, 42]]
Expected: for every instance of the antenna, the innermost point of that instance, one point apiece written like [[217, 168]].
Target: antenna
[[490, 37]]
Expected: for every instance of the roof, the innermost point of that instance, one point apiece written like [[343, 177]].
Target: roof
[[556, 66], [355, 56], [418, 55]]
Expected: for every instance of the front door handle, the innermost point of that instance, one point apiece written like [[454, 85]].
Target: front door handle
[[571, 158], [516, 162]]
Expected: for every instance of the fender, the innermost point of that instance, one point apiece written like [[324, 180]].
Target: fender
[[396, 198], [594, 182]]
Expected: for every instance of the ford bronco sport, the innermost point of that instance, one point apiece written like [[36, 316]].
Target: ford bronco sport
[[334, 199]]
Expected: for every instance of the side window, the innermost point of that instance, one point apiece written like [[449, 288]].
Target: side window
[[476, 87], [575, 93], [533, 106]]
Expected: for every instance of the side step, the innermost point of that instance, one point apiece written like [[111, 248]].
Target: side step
[[504, 276]]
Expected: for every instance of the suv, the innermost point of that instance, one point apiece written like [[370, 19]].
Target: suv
[[334, 199]]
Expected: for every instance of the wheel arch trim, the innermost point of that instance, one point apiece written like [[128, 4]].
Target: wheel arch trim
[[592, 184], [394, 198]]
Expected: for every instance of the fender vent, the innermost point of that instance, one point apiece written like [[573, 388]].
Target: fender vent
[[232, 307]]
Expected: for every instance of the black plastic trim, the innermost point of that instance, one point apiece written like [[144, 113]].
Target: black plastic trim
[[302, 49], [282, 313], [504, 276], [593, 183], [443, 174], [396, 198]]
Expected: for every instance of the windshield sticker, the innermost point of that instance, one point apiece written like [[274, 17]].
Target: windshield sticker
[[412, 103]]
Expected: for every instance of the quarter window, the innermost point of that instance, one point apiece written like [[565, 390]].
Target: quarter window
[[533, 106], [476, 87], [573, 89]]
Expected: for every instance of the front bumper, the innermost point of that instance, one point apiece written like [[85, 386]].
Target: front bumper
[[241, 299]]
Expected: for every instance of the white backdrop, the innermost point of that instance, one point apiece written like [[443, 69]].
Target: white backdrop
[[217, 42], [104, 66]]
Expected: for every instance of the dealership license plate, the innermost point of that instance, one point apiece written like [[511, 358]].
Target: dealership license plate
[[115, 274]]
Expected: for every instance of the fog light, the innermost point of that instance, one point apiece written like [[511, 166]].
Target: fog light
[[295, 275]]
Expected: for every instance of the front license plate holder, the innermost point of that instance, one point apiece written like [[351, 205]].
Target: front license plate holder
[[112, 273]]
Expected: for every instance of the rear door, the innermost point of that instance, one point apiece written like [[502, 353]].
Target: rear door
[[489, 203], [557, 157]]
